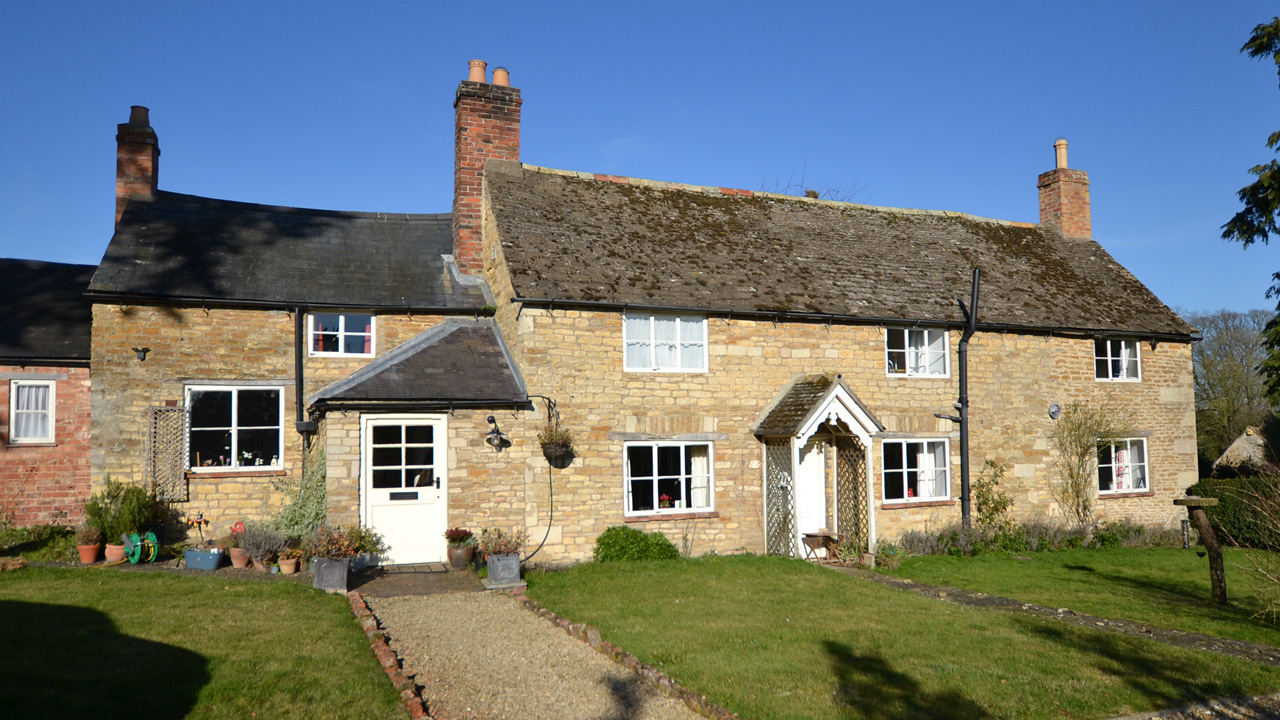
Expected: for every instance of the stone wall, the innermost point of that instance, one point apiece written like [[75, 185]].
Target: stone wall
[[47, 483]]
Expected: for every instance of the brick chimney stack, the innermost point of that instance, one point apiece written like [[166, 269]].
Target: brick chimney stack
[[1064, 197], [137, 159], [486, 125]]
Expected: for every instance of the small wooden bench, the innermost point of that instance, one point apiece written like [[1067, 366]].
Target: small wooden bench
[[822, 540]]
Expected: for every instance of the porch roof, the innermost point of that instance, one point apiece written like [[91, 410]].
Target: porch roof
[[795, 405]]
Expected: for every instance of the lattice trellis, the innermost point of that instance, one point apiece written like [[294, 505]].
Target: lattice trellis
[[167, 452], [780, 520], [851, 490]]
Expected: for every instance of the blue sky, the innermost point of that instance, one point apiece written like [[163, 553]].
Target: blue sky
[[941, 105]]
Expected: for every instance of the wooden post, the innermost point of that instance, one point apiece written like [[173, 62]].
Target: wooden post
[[1195, 512]]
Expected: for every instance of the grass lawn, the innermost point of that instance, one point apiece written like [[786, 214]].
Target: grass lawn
[[1168, 587], [106, 643], [778, 638]]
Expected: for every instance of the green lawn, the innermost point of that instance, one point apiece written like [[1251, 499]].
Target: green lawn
[[780, 638], [106, 643], [1168, 587]]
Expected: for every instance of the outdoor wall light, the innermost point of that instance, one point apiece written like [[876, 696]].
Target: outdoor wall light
[[142, 353], [495, 438]]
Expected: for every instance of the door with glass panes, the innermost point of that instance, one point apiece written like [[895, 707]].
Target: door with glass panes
[[404, 484]]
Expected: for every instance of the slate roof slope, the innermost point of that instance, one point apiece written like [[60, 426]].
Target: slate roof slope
[[43, 314], [792, 407], [460, 361], [653, 244], [185, 248]]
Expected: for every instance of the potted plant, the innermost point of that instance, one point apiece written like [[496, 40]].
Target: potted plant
[[205, 556], [262, 544], [330, 550], [557, 445], [231, 541], [88, 543], [369, 547], [117, 511], [502, 554], [290, 557], [462, 547]]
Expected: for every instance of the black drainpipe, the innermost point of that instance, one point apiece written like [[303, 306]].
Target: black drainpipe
[[971, 326]]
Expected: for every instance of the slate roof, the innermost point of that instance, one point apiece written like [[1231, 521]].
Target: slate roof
[[43, 314], [660, 245], [187, 248], [459, 361], [792, 407]]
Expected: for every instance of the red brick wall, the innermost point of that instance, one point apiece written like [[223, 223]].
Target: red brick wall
[[1064, 201], [47, 484], [487, 125]]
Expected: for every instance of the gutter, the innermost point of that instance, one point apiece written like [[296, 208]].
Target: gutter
[[321, 406], [43, 362]]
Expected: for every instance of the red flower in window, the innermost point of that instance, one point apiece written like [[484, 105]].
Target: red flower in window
[[664, 501]]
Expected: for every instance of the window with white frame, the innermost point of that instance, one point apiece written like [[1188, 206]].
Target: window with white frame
[[916, 470], [1122, 466], [664, 343], [31, 406], [915, 352], [235, 427], [340, 334], [668, 477], [1116, 359]]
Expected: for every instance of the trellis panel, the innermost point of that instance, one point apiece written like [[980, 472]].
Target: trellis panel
[[167, 452], [851, 491], [780, 520]]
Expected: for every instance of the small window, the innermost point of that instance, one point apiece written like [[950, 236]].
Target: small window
[[916, 470], [1122, 466], [916, 352], [31, 405], [232, 428], [668, 477], [341, 334], [403, 455], [1115, 359], [664, 343]]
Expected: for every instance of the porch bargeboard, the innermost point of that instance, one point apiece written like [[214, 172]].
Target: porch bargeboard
[[166, 452]]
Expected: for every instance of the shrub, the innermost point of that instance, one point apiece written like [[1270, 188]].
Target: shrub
[[306, 508], [1242, 515], [494, 541], [261, 542], [88, 535], [366, 540], [990, 504], [621, 544], [119, 509], [329, 542]]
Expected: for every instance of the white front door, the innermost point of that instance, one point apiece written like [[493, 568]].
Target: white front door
[[811, 488], [404, 484]]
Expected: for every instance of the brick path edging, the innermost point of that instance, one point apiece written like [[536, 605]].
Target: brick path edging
[[409, 692], [647, 673]]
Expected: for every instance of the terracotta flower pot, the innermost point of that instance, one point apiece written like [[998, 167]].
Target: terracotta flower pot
[[288, 566], [261, 565], [460, 557], [89, 553], [115, 553], [239, 558]]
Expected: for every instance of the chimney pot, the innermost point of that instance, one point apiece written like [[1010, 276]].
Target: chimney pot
[[139, 115], [476, 71], [501, 77], [1060, 152], [1064, 197]]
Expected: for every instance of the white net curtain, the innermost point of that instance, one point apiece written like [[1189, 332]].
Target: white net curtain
[[31, 413]]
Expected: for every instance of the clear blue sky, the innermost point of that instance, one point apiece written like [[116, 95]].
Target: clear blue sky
[[941, 105]]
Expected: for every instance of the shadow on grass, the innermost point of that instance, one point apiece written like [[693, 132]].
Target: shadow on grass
[[871, 688], [66, 661], [28, 541], [1187, 594], [1166, 682]]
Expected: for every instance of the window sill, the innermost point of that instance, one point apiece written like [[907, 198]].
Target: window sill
[[50, 443], [1118, 380], [671, 516], [1118, 496], [191, 475], [921, 504]]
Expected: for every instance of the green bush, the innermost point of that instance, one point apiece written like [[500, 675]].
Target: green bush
[[1246, 510], [119, 509], [621, 544], [307, 506]]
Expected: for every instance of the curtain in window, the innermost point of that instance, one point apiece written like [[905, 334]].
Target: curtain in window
[[916, 354], [700, 480], [664, 342], [368, 338], [31, 419], [691, 343], [1138, 464], [937, 353], [636, 331]]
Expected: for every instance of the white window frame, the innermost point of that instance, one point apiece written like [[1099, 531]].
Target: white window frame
[[235, 465], [1117, 354], [342, 333], [945, 470], [689, 478], [910, 352], [1123, 469], [680, 343], [51, 411]]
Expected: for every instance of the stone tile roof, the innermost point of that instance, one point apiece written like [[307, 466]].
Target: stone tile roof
[[43, 313], [789, 410], [459, 361], [186, 248], [573, 237]]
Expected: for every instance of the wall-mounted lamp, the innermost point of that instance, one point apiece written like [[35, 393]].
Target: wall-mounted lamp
[[142, 353], [495, 438]]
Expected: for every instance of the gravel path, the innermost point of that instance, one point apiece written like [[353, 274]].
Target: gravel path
[[481, 655]]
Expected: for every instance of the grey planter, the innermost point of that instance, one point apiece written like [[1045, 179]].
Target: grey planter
[[330, 575], [504, 569]]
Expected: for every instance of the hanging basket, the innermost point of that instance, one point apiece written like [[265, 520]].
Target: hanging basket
[[558, 455]]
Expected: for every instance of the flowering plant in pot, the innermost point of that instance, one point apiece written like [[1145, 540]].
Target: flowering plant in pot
[[368, 545], [330, 550], [116, 511], [502, 554], [462, 547], [290, 556], [262, 544], [88, 543], [235, 549], [557, 445]]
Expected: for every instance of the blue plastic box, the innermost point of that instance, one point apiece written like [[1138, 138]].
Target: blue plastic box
[[197, 560]]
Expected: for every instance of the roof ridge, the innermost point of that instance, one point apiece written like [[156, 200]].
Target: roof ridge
[[361, 214], [717, 190]]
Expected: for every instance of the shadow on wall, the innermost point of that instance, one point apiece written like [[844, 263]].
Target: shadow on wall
[[870, 685], [63, 661]]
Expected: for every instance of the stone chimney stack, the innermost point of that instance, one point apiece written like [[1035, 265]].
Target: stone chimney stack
[[1064, 197], [137, 159], [486, 125]]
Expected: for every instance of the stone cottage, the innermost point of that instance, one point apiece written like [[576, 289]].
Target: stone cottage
[[737, 368]]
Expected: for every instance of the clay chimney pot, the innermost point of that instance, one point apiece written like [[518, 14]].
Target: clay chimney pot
[[1060, 152], [476, 72], [501, 77], [139, 115]]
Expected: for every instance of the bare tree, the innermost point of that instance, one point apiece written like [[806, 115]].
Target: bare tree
[[799, 187], [1076, 435], [1231, 393]]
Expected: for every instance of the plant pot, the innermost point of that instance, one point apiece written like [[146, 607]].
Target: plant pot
[[330, 575], [239, 558], [504, 569], [558, 455], [460, 557], [201, 560], [261, 566], [89, 553], [115, 553], [361, 561], [288, 566]]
